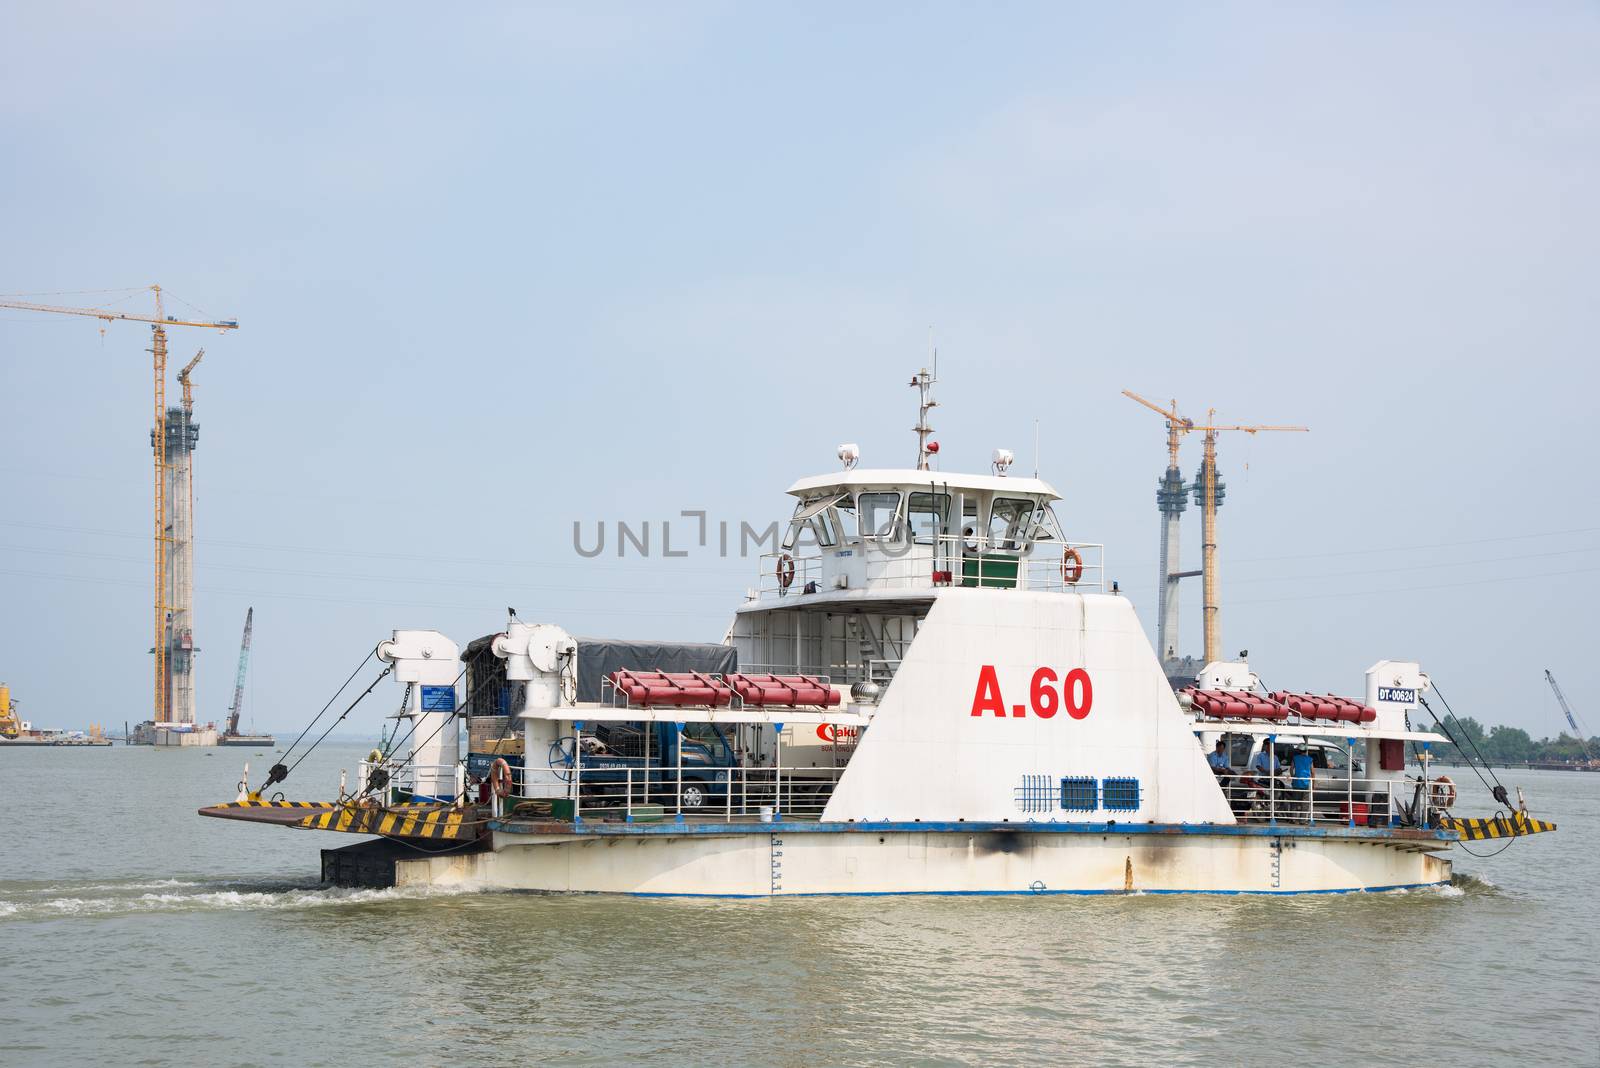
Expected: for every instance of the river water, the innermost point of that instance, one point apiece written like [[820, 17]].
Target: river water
[[134, 932]]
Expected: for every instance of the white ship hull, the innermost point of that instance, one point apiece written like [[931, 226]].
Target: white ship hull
[[915, 707], [813, 860]]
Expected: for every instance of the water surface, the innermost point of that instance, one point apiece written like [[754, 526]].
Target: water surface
[[134, 932]]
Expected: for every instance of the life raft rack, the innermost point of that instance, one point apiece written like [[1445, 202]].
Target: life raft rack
[[645, 689], [1278, 706]]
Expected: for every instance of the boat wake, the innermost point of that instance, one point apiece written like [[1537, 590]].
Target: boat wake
[[181, 896], [1463, 885]]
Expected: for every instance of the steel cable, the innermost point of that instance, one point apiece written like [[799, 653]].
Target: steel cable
[[312, 747], [329, 705], [1486, 765], [1498, 792]]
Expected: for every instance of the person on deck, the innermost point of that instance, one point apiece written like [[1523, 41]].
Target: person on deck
[[1218, 761], [1256, 784], [1266, 765], [1301, 773]]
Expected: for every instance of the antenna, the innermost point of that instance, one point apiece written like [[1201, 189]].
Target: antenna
[[1036, 448], [923, 382]]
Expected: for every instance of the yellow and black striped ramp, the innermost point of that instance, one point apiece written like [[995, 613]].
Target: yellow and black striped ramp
[[1512, 826], [280, 813], [402, 821], [276, 804]]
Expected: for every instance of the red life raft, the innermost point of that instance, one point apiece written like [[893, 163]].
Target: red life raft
[[645, 688], [1235, 704], [671, 688], [786, 690], [1325, 706]]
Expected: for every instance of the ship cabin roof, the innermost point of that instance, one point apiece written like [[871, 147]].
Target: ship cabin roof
[[943, 481], [902, 535]]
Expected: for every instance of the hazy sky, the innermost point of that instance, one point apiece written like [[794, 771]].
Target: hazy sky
[[503, 269]]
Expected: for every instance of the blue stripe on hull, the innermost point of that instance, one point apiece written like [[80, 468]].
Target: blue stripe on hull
[[1059, 893], [1221, 830]]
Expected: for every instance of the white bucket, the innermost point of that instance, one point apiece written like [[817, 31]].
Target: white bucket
[[766, 813]]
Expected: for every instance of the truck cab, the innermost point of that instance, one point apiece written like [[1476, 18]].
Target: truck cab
[[618, 753]]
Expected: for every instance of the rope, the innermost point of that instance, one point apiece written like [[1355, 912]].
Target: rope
[[394, 743], [504, 730], [325, 708], [577, 740], [456, 712], [79, 292], [274, 776], [1486, 765], [1446, 730], [1498, 791], [1485, 856], [186, 304], [391, 743], [462, 847]]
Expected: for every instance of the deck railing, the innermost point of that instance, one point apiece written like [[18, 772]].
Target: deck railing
[[766, 794], [1409, 802], [734, 795], [946, 560], [397, 780]]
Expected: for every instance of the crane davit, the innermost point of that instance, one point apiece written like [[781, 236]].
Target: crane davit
[[231, 736], [1572, 719]]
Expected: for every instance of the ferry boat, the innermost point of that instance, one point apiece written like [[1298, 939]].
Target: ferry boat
[[929, 690]]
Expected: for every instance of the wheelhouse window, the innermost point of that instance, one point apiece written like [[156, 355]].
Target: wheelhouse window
[[927, 516], [806, 518], [843, 517], [1046, 526], [969, 525], [880, 515], [1010, 522]]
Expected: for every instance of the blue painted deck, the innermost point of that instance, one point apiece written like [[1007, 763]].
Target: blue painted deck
[[687, 827]]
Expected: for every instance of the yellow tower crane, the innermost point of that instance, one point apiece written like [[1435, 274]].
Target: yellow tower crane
[[1177, 426], [158, 349], [183, 380]]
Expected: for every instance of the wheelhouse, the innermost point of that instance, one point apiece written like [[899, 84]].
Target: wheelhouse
[[866, 552]]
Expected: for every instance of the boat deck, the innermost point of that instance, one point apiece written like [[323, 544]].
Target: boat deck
[[1413, 838]]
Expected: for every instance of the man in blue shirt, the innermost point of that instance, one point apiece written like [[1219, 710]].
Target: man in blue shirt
[[1266, 762], [1218, 758], [1301, 770]]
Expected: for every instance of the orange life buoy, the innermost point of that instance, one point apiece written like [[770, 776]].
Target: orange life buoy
[[1442, 793], [1071, 566], [785, 571], [500, 778]]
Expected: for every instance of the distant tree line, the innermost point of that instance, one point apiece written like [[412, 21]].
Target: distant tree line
[[1511, 745]]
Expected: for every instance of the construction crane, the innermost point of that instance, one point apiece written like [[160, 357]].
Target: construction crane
[[1177, 426], [1171, 500], [1561, 698], [238, 680], [173, 634], [183, 380]]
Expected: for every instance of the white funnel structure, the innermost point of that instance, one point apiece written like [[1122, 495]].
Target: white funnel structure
[[428, 664], [543, 661]]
